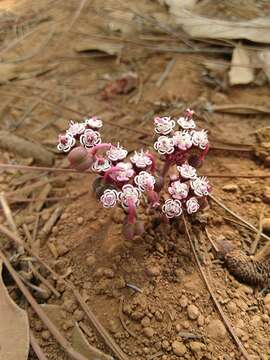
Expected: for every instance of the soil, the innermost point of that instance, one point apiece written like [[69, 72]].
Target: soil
[[153, 280]]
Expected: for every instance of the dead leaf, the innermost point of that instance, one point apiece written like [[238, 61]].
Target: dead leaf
[[96, 45], [264, 58], [196, 26], [122, 21], [14, 329], [241, 70]]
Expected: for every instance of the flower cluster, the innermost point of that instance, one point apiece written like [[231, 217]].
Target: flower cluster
[[177, 145]]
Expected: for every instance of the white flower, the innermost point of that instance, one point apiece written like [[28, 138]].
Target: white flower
[[164, 145], [186, 123], [172, 208], [93, 122], [182, 139], [76, 128], [90, 138], [124, 173], [164, 125], [192, 205], [65, 142], [117, 153], [187, 171], [101, 164], [200, 138], [109, 198], [178, 190], [200, 186], [145, 181], [129, 192], [141, 159]]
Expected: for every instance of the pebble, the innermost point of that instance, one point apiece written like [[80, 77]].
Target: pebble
[[78, 315], [266, 195], [200, 320], [80, 220], [183, 301], [62, 249], [145, 321], [232, 307], [216, 329], [165, 344], [90, 260], [230, 187], [108, 273], [266, 224], [267, 161], [193, 312], [45, 334], [196, 346], [153, 270], [256, 321], [148, 332], [178, 348]]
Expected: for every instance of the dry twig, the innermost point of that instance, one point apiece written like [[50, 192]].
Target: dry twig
[[259, 234], [37, 349]]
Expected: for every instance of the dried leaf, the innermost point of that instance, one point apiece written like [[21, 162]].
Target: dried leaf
[[264, 58], [122, 21], [196, 26], [107, 47], [14, 329], [241, 71]]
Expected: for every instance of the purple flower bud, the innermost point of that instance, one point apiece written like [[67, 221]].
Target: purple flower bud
[[80, 159]]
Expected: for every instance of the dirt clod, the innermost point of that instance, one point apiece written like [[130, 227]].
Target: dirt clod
[[216, 329], [179, 349], [193, 312]]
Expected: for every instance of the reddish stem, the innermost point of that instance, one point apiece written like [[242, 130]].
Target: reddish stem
[[131, 211]]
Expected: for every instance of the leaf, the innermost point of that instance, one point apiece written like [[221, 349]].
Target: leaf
[[241, 71], [98, 46], [14, 329], [257, 30]]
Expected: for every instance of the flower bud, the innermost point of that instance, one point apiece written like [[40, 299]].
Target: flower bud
[[128, 231], [80, 159]]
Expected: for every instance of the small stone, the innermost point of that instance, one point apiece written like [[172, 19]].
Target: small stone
[[200, 320], [193, 312], [165, 344], [69, 305], [62, 249], [267, 162], [179, 349], [158, 316], [196, 346], [148, 332], [266, 225], [45, 334], [78, 315], [153, 270], [80, 220], [256, 321], [266, 195], [183, 301], [266, 301], [145, 321], [216, 329], [230, 187], [186, 325], [232, 307], [67, 325], [265, 318], [90, 260], [109, 273]]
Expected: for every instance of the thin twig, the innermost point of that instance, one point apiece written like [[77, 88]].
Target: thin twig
[[166, 72], [217, 304], [211, 241], [254, 245], [42, 292], [40, 312], [252, 227], [8, 214], [44, 281], [122, 320], [37, 349]]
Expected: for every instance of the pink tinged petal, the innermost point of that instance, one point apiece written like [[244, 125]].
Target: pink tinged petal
[[164, 125], [192, 205], [93, 122], [129, 192], [182, 139], [101, 165], [178, 190], [145, 181], [124, 173], [109, 198], [201, 186], [90, 138], [164, 145], [200, 139], [65, 142], [76, 128], [172, 208], [117, 153], [141, 159], [187, 171]]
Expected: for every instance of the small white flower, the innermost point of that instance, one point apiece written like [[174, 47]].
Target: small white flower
[[124, 173], [201, 186], [65, 142], [178, 190], [200, 139], [164, 145], [182, 139], [109, 198], [101, 164], [117, 153], [90, 138], [129, 192], [145, 181], [93, 122], [164, 125], [192, 205], [186, 123], [140, 159], [76, 128], [172, 208], [187, 171]]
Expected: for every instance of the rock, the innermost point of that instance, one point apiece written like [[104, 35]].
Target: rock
[[45, 334], [90, 260], [148, 332], [196, 346], [230, 187], [183, 301], [216, 330], [267, 162], [108, 273], [193, 312], [153, 270], [145, 321], [266, 225], [165, 344], [256, 321], [266, 195], [62, 249], [80, 220], [178, 348], [78, 315], [266, 301], [200, 320], [232, 307]]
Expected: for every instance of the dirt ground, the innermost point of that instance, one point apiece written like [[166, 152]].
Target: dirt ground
[[169, 314]]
